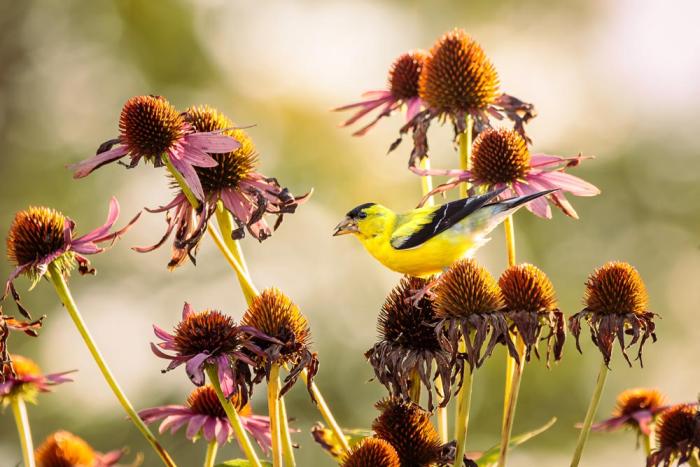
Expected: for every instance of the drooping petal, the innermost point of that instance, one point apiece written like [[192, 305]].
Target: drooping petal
[[163, 334], [225, 375], [210, 428], [574, 185], [412, 108], [160, 353], [197, 157], [212, 142], [195, 368], [86, 167], [223, 431], [156, 413], [195, 424], [539, 206], [644, 419], [174, 422], [190, 175], [610, 424], [112, 216]]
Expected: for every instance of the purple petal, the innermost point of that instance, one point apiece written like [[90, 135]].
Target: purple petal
[[213, 142], [412, 108], [195, 368], [610, 424], [540, 206], [173, 423], [159, 353], [225, 375], [162, 334], [187, 311], [567, 182], [223, 431], [156, 413], [644, 418], [197, 157], [86, 167], [195, 425], [541, 161], [112, 216], [190, 175], [210, 428]]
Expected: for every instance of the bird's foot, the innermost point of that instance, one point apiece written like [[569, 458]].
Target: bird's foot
[[424, 292]]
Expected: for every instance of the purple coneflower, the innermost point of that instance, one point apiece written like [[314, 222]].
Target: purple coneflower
[[635, 408], [61, 449], [501, 159], [234, 181], [28, 380], [210, 337], [403, 90], [151, 128], [40, 236], [204, 415], [677, 436]]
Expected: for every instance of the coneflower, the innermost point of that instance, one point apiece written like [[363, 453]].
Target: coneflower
[[677, 436], [150, 128], [62, 448], [372, 452], [402, 91], [234, 182], [8, 324], [28, 381], [635, 408], [409, 345]]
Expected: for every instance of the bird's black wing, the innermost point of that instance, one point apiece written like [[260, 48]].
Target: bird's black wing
[[443, 218]]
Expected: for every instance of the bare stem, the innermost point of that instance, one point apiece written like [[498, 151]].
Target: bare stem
[[67, 299], [287, 448], [19, 409], [234, 418], [210, 458], [273, 392], [441, 414], [326, 413], [414, 389], [592, 409], [249, 290], [464, 400], [427, 181], [465, 153]]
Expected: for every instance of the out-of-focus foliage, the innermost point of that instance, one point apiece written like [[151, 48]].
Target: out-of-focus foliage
[[617, 80]]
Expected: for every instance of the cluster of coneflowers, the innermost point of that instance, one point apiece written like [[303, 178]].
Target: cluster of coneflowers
[[431, 343]]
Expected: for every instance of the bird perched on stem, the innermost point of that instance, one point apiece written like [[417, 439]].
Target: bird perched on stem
[[426, 241]]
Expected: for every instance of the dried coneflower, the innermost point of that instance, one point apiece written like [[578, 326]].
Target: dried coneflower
[[635, 408], [677, 436], [531, 305], [616, 305], [234, 182], [402, 91], [372, 452], [408, 344], [150, 128], [458, 80], [501, 159], [61, 449], [273, 314], [210, 337]]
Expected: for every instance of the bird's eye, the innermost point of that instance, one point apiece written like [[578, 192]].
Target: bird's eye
[[362, 215]]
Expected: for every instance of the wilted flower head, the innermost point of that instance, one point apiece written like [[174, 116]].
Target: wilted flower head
[[62, 449], [273, 314], [531, 306], [616, 304], [204, 415], [402, 90], [40, 236], [210, 337], [27, 381], [234, 182], [502, 160], [635, 408], [677, 436], [469, 305], [7, 324], [408, 343], [372, 452], [151, 128], [458, 80]]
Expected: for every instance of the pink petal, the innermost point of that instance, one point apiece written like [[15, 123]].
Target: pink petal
[[213, 142], [112, 216], [195, 368], [187, 311], [190, 175], [197, 157], [567, 182], [210, 428], [86, 167], [225, 375], [195, 425], [173, 423], [413, 108], [223, 431], [539, 206], [376, 94], [163, 334], [541, 161]]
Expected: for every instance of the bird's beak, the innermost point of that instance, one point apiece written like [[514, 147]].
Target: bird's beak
[[346, 226]]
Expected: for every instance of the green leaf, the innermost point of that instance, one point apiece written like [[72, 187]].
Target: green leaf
[[241, 463], [490, 457]]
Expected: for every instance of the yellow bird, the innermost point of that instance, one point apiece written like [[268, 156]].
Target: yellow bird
[[426, 241]]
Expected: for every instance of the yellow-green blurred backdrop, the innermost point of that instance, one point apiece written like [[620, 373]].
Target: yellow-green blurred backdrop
[[617, 80]]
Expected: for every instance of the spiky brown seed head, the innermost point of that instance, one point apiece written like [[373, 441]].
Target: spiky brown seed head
[[405, 73], [409, 430], [149, 126], [676, 426], [500, 156], [207, 331], [458, 76], [372, 452], [204, 401], [526, 288], [466, 288], [616, 287], [273, 313], [36, 233], [64, 449], [634, 400], [405, 324], [233, 166]]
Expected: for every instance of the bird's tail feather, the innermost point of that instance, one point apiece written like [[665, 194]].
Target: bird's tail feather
[[511, 204]]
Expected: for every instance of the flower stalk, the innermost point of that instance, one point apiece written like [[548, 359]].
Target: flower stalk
[[426, 181], [415, 387], [441, 415], [67, 299], [287, 447], [464, 401], [233, 417], [592, 409], [19, 410], [210, 458], [273, 407], [326, 413], [465, 153]]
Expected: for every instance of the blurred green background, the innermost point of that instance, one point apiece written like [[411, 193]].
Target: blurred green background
[[617, 80]]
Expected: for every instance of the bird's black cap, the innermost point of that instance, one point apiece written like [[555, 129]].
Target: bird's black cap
[[354, 213]]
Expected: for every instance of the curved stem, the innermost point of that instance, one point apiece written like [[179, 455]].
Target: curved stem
[[233, 417], [464, 399], [226, 223], [210, 458], [287, 448], [592, 409], [19, 410], [427, 182], [465, 153], [326, 413], [273, 391], [249, 290], [67, 299]]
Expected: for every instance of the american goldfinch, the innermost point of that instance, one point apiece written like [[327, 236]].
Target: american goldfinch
[[426, 241]]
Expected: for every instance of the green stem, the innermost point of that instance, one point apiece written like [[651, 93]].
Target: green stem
[[326, 413], [511, 401], [646, 440], [592, 409], [287, 448], [273, 392], [225, 221], [233, 417], [210, 458], [19, 409], [414, 389], [441, 415], [464, 400], [67, 299], [465, 153], [427, 182], [180, 181]]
